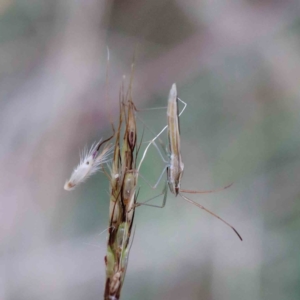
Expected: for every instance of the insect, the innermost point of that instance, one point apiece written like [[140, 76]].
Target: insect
[[174, 166], [90, 162]]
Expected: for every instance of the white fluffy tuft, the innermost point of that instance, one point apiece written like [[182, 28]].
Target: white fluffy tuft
[[90, 163]]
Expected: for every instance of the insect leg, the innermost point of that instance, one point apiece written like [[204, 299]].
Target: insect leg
[[210, 212], [183, 107], [145, 151], [164, 192], [206, 192], [159, 179], [154, 142]]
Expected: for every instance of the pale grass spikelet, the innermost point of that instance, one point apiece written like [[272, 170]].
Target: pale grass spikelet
[[90, 162]]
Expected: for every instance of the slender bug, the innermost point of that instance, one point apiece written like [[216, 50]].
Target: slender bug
[[174, 166]]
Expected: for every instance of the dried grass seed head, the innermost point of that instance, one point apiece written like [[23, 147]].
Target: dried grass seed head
[[90, 162]]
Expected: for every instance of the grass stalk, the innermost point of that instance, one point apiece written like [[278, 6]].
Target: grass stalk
[[123, 196]]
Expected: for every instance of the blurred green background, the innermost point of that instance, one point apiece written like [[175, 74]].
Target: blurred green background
[[236, 65]]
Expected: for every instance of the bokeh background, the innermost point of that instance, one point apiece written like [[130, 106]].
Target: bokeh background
[[236, 64]]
